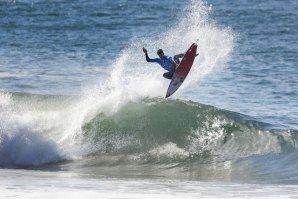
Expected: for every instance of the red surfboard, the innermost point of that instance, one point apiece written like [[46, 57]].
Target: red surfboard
[[182, 70]]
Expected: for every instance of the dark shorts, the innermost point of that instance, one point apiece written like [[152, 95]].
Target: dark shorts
[[168, 75]]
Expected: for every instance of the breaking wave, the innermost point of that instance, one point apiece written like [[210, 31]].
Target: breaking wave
[[35, 130]]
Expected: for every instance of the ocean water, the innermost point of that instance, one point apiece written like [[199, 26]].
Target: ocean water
[[82, 114]]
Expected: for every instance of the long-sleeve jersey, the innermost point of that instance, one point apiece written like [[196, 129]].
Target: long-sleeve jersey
[[166, 62]]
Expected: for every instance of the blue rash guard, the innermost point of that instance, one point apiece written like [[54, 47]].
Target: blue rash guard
[[167, 63]]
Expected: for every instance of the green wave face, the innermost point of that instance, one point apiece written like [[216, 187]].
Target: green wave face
[[157, 130]]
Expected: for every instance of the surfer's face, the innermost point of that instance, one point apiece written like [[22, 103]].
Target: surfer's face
[[161, 55]]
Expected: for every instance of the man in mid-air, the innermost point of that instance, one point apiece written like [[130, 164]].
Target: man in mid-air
[[165, 62]]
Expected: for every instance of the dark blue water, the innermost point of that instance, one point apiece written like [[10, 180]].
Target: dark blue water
[[43, 43], [261, 78], [78, 96]]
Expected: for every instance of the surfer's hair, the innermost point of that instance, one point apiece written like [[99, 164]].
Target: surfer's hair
[[159, 51]]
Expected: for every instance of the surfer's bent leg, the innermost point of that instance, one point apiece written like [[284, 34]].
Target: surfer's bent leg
[[177, 57], [168, 75]]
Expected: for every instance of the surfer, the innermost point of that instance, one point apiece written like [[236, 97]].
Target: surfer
[[165, 62]]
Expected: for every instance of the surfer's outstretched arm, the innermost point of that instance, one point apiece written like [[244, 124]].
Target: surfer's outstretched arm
[[146, 54]]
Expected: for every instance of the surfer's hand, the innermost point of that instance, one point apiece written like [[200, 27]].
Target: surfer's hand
[[145, 50]]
